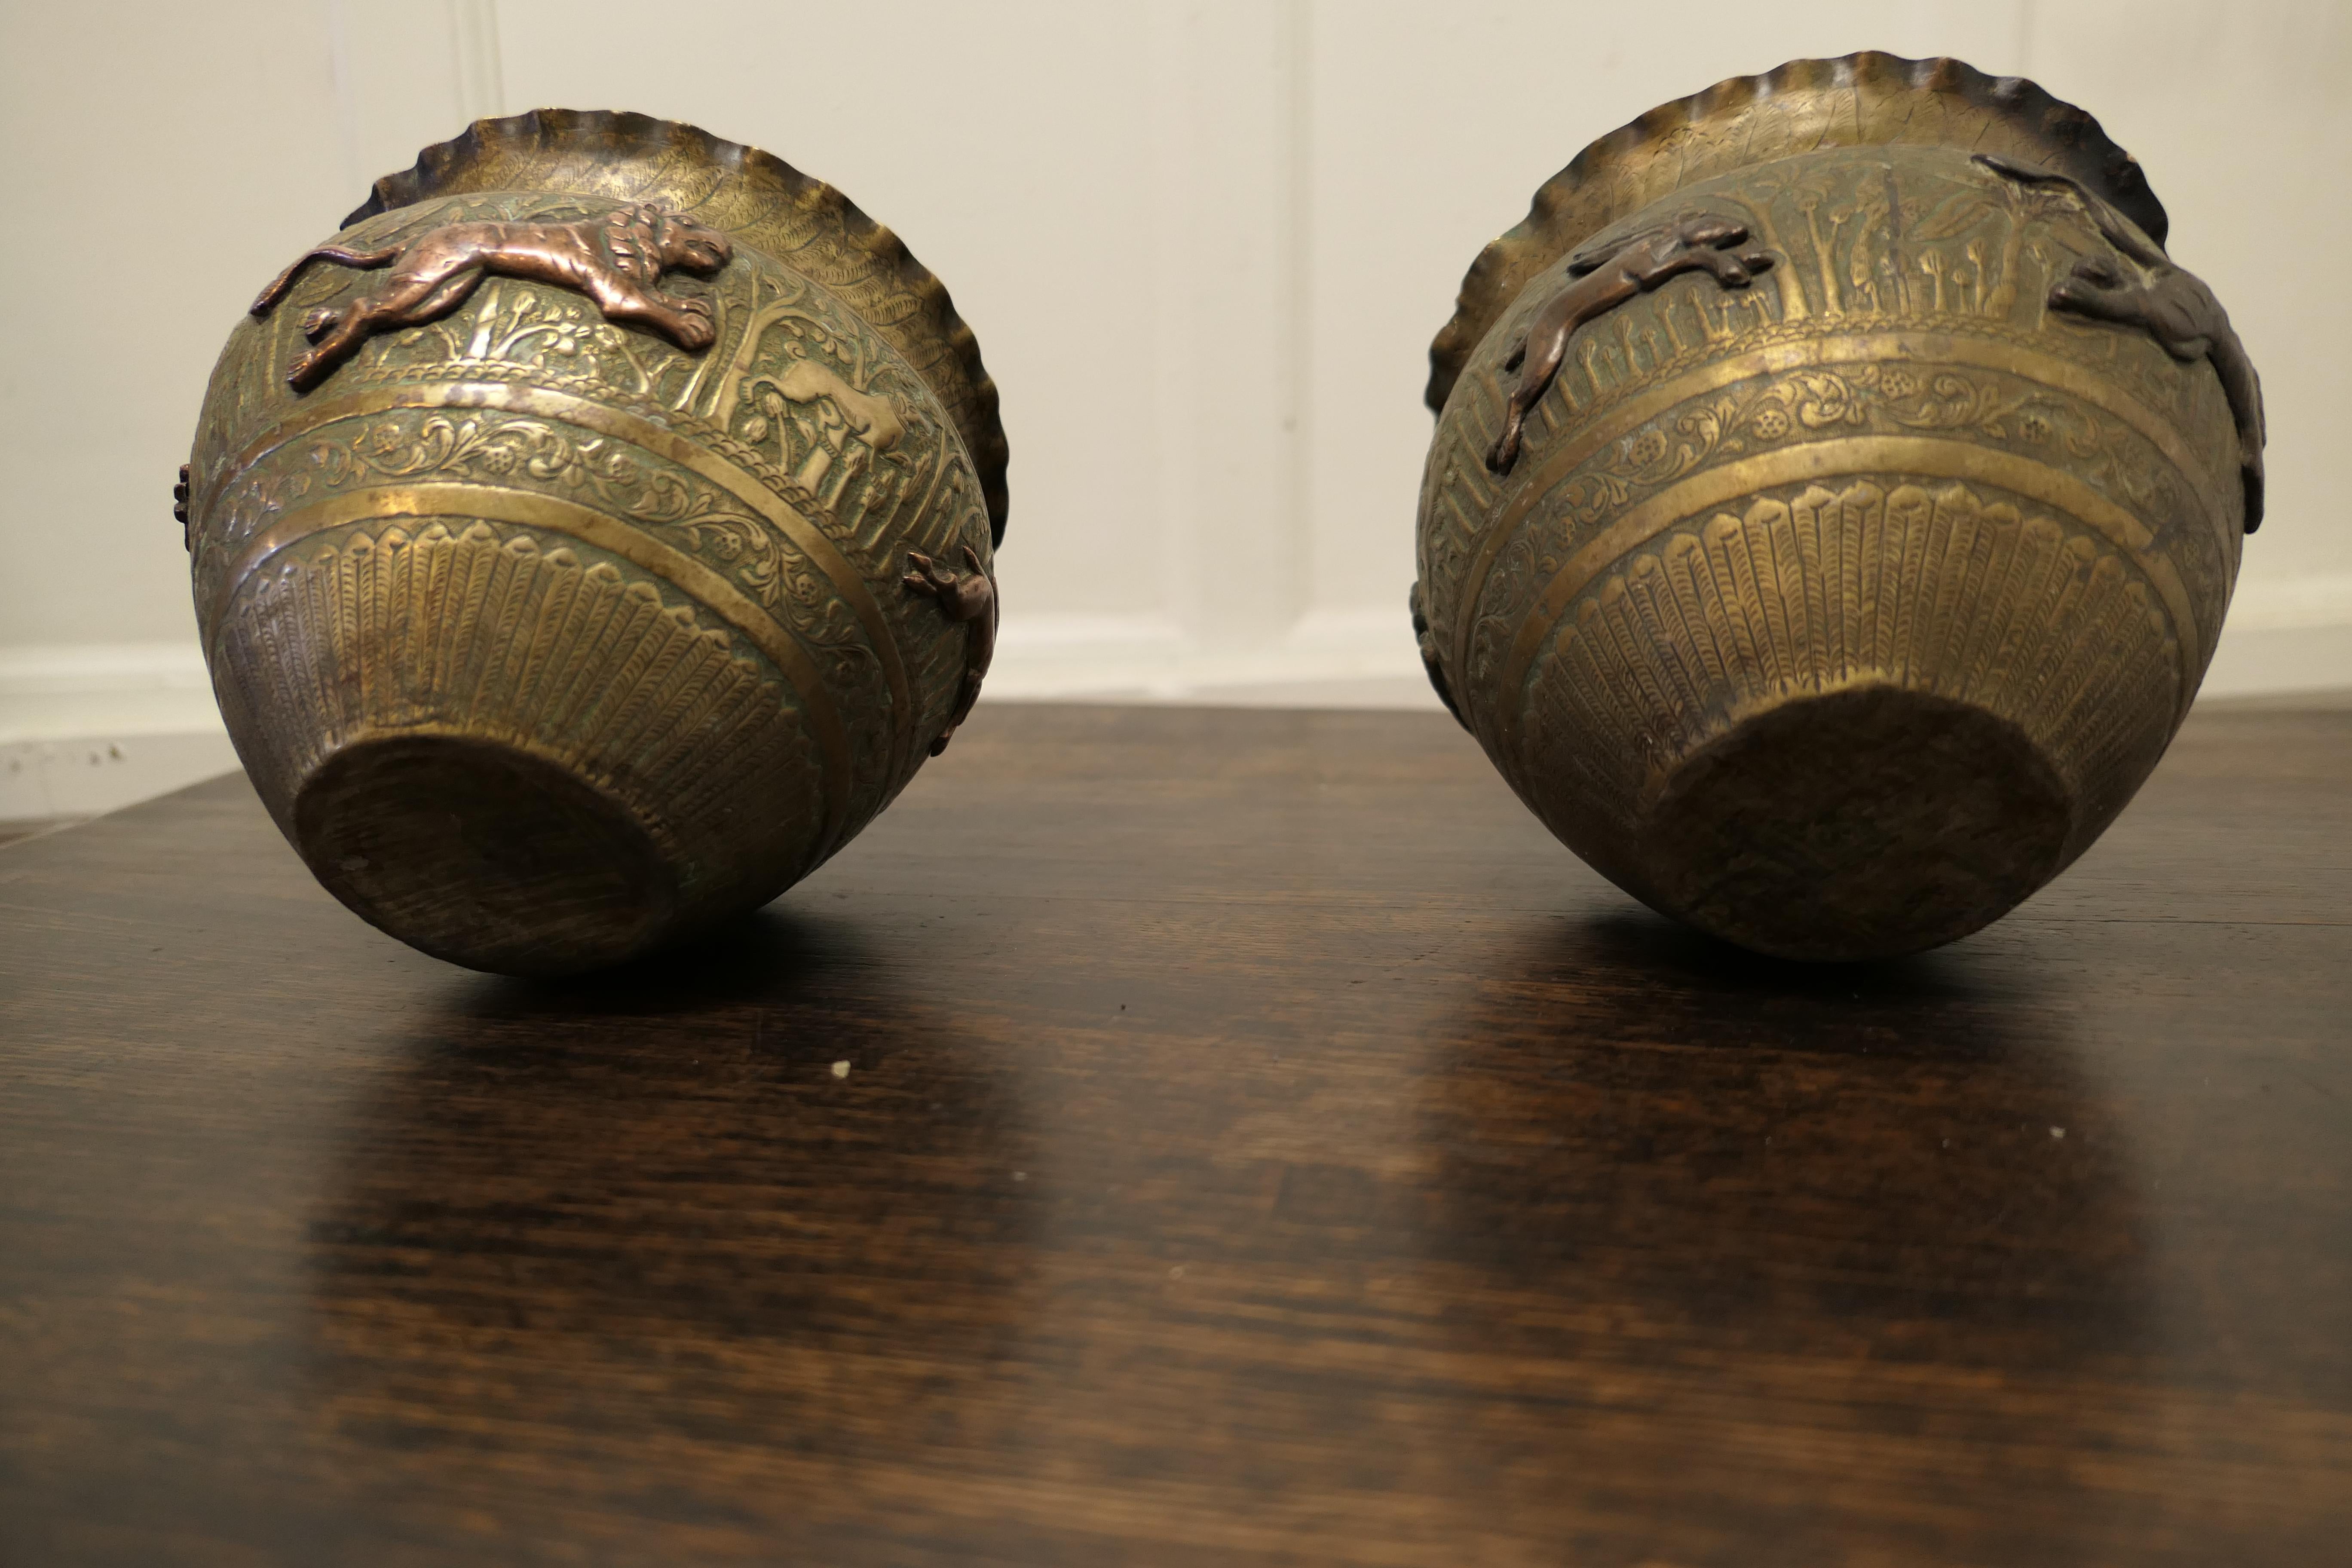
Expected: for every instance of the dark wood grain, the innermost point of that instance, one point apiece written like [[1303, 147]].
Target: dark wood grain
[[1260, 1143]]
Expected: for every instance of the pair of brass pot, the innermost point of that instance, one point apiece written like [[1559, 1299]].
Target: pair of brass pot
[[1835, 496]]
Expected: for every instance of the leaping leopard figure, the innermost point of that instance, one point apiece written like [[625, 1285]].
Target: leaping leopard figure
[[2170, 304], [1603, 277], [616, 260]]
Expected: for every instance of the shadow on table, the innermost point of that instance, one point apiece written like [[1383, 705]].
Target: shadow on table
[[648, 1204], [776, 955], [1667, 955], [1789, 1243]]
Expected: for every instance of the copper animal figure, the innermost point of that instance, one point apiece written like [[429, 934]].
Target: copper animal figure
[[2172, 306], [616, 260], [1603, 277], [967, 597]]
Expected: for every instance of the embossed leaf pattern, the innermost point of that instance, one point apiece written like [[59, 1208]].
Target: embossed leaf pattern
[[1810, 588]]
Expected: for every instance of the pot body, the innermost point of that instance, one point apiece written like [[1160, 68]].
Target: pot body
[[1837, 612], [548, 638]]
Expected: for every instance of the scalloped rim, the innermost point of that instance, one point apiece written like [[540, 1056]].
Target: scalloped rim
[[625, 133], [2077, 145]]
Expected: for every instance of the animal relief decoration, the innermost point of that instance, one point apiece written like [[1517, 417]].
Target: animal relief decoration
[[616, 260], [1601, 278], [966, 598], [2140, 287]]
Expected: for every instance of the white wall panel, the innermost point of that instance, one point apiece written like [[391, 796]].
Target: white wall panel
[[2242, 116], [1432, 127], [1012, 148], [1204, 244], [176, 151]]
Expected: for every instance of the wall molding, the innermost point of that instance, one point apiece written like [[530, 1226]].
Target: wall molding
[[85, 777], [2285, 634], [89, 728], [1159, 659], [2280, 637], [109, 690]]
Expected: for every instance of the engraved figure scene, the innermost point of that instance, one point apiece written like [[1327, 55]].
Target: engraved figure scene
[[1854, 237], [842, 425], [836, 417]]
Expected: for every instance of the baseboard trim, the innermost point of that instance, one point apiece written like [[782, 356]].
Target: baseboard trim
[[1154, 659], [75, 693], [90, 728], [2258, 660], [88, 776]]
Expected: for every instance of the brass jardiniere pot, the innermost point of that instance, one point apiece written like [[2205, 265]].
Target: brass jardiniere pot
[[1835, 496], [591, 537]]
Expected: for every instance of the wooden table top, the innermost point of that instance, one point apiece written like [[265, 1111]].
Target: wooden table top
[[1190, 1137]]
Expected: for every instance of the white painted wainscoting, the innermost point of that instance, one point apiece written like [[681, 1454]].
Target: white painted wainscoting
[[1203, 243]]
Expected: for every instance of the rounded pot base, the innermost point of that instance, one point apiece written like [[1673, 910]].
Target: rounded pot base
[[484, 855], [1862, 823]]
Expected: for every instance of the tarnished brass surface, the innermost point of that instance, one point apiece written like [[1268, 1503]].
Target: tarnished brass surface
[[1838, 610], [556, 591], [1603, 277], [969, 599], [616, 260]]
